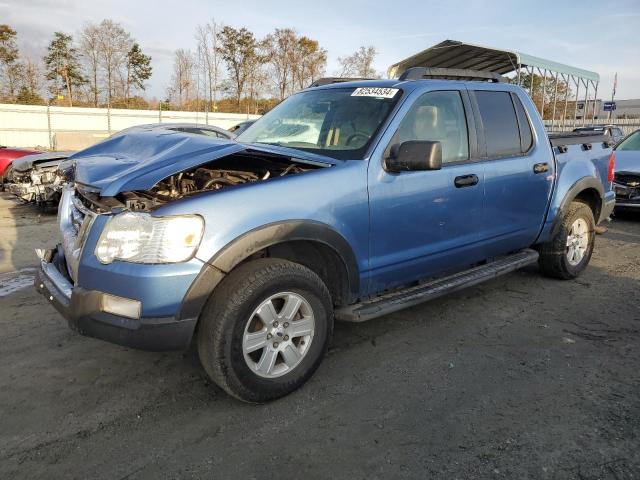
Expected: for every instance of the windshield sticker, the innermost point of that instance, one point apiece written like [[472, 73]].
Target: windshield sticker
[[375, 92]]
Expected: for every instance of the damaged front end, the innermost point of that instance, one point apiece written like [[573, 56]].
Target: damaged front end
[[627, 188], [39, 178], [234, 170], [40, 185]]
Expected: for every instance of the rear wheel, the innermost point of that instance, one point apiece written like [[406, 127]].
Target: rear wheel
[[265, 329], [569, 251]]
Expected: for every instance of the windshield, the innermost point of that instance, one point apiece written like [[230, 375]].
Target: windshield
[[632, 142], [337, 122]]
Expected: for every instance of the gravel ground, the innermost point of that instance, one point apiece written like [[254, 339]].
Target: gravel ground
[[521, 377]]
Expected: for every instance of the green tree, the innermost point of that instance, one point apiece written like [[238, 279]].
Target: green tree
[[238, 49], [63, 66], [29, 97], [311, 61], [138, 69], [10, 68]]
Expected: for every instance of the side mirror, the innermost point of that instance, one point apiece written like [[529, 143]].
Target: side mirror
[[414, 155]]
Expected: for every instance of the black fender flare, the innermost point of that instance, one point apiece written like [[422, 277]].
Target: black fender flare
[[575, 190], [258, 239]]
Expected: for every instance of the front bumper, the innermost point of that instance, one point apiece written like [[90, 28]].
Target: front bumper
[[83, 311], [627, 196]]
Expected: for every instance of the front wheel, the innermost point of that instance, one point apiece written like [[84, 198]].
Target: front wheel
[[569, 251], [265, 329]]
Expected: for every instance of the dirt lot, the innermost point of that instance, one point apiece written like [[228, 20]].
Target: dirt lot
[[522, 377]]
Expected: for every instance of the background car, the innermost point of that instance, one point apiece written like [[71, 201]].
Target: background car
[[36, 178], [626, 181], [611, 130], [241, 127], [7, 156], [195, 128]]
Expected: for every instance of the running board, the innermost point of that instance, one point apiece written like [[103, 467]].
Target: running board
[[394, 301]]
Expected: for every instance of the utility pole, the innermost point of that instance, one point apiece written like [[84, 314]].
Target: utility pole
[[613, 92]]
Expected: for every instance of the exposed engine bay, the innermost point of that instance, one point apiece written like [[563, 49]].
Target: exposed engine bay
[[231, 171]]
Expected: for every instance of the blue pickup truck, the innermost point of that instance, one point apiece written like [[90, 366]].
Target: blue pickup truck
[[347, 201]]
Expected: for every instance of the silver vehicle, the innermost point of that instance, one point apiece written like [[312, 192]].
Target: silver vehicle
[[613, 131], [195, 128]]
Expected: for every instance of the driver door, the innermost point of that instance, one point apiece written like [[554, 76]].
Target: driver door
[[426, 223]]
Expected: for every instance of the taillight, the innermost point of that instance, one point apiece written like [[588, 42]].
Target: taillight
[[611, 167]]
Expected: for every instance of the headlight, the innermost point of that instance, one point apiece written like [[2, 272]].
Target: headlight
[[141, 238]]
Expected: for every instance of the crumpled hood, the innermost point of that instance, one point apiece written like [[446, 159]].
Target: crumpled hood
[[26, 163], [627, 161], [139, 160]]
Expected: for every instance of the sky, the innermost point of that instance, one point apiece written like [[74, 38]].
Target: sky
[[595, 35]]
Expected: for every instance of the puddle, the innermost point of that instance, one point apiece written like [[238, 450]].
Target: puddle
[[13, 281]]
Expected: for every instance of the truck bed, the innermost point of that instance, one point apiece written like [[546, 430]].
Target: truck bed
[[575, 138]]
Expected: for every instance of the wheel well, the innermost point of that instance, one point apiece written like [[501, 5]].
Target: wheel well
[[591, 197], [318, 257]]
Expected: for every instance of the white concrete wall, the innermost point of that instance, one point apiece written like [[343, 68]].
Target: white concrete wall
[[30, 126]]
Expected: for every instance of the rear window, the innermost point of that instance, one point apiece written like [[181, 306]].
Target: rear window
[[500, 124]]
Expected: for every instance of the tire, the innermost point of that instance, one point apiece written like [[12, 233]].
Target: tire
[[558, 259], [230, 318], [6, 178]]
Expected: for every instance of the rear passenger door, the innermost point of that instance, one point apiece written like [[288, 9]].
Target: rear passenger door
[[518, 173]]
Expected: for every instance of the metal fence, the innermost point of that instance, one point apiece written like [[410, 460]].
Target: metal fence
[[627, 125], [45, 127]]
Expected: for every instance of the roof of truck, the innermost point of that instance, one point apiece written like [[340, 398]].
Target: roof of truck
[[407, 85]]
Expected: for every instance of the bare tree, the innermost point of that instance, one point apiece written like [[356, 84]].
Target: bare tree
[[31, 83], [257, 78], [114, 43], [359, 64], [209, 52], [90, 41], [182, 81]]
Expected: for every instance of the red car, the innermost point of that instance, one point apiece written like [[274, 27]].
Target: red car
[[7, 156]]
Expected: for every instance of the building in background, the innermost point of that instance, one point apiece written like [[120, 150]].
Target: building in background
[[624, 109]]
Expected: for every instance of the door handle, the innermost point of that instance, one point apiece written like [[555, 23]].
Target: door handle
[[541, 167], [466, 181]]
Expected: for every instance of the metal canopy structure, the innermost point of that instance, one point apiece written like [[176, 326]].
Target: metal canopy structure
[[461, 55]]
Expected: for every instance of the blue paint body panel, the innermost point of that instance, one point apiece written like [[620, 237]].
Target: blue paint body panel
[[401, 227]]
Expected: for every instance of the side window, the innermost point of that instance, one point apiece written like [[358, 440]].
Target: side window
[[526, 136], [438, 116], [500, 124]]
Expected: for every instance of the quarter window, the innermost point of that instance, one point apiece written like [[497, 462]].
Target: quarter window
[[526, 136], [438, 116]]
